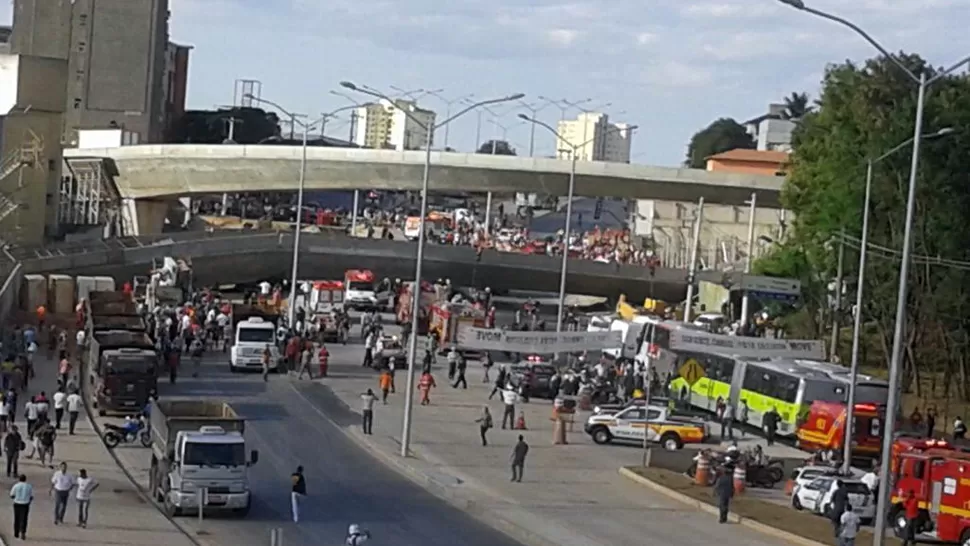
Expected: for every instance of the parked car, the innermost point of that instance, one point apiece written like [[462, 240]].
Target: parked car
[[816, 496]]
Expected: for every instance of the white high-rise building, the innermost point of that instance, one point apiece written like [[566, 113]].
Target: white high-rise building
[[384, 125], [604, 141]]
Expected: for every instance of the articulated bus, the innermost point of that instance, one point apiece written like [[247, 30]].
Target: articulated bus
[[868, 389], [785, 385]]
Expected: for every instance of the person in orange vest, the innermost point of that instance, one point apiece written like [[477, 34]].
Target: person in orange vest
[[41, 316], [324, 360], [385, 384], [425, 385]]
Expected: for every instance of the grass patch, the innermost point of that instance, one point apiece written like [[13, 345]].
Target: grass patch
[[785, 518]]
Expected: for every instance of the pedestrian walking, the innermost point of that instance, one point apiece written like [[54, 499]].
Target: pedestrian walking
[[727, 421], [724, 492], [265, 361], [45, 437], [487, 366], [452, 363], [367, 411], [519, 452], [743, 416], [461, 365], [385, 385], [306, 361], [485, 422], [840, 499], [509, 398], [60, 404], [31, 412], [195, 353], [500, 381], [425, 384], [297, 493], [61, 485], [13, 444], [770, 420], [4, 413], [22, 494], [849, 527], [73, 410], [85, 487]]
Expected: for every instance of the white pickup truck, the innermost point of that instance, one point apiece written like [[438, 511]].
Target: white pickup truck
[[628, 425]]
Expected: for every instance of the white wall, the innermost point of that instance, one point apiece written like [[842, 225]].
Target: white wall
[[9, 76]]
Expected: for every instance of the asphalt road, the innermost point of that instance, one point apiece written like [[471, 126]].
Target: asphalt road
[[345, 483]]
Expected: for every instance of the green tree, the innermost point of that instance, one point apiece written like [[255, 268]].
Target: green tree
[[796, 106], [863, 111], [496, 147], [720, 136]]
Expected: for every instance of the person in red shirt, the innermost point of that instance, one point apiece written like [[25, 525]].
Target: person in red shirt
[[911, 506]]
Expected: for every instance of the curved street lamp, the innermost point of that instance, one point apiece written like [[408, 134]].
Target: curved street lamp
[[418, 269]]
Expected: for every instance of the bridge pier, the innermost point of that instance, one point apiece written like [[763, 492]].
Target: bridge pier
[[144, 216]]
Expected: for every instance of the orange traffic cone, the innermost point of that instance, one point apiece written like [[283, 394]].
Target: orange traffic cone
[[520, 422]]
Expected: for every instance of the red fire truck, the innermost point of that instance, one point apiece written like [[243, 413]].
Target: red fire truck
[[447, 319], [940, 480], [405, 303], [824, 428]]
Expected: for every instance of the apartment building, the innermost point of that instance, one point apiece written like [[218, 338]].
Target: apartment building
[[387, 125], [596, 138]]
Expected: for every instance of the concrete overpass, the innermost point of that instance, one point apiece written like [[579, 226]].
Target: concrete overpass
[[236, 257], [162, 171]]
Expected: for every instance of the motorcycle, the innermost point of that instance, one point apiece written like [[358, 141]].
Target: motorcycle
[[120, 434]]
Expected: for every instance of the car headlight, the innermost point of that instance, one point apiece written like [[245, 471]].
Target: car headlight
[[596, 409]]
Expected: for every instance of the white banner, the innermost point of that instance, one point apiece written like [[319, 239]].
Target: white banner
[[756, 347], [535, 342]]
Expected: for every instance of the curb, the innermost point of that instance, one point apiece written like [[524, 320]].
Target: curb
[[92, 419], [710, 509], [446, 493]]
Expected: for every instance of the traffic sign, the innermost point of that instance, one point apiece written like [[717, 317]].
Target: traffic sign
[[692, 372]]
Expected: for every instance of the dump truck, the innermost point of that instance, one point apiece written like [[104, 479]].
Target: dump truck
[[115, 302], [123, 367], [199, 453]]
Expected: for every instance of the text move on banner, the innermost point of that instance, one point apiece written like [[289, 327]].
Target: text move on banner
[[536, 342], [754, 347]]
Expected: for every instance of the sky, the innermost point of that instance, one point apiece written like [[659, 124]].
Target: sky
[[670, 67]]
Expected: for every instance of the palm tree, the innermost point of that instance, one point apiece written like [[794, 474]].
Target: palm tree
[[796, 106]]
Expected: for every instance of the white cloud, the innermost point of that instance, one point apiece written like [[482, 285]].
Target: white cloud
[[562, 37], [677, 75], [646, 38]]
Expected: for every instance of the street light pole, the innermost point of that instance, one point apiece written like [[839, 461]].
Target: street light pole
[[448, 103], [573, 149], [419, 259], [692, 267], [839, 271], [899, 332], [859, 292], [748, 260]]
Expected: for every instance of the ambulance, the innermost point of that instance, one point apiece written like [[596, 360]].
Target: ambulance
[[430, 294], [824, 428], [359, 290]]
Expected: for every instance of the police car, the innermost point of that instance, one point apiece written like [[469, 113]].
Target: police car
[[629, 425]]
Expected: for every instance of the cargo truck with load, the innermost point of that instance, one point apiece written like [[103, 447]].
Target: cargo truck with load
[[254, 328], [114, 302], [122, 368], [198, 445]]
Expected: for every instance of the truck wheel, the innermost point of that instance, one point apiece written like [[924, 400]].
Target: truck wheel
[[602, 436], [899, 523], [671, 442], [232, 369], [171, 510]]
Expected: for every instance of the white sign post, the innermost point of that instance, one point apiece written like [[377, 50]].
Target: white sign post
[[536, 342], [754, 347]]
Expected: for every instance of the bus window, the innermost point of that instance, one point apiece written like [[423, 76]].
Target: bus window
[[788, 390], [661, 337]]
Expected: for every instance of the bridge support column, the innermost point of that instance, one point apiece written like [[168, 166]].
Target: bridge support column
[[488, 214], [144, 216]]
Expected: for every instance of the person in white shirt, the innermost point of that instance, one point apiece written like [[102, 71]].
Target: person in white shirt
[[73, 409], [509, 398], [264, 288], [61, 485], [31, 413], [79, 338], [871, 479], [848, 527], [85, 486], [60, 404]]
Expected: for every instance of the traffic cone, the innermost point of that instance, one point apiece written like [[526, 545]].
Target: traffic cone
[[520, 422]]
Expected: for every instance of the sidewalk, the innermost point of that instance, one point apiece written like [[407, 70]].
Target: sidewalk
[[571, 495], [119, 515]]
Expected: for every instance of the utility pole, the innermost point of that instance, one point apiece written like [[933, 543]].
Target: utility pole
[[353, 126], [834, 345]]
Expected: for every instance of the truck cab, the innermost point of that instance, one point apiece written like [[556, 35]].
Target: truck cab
[[940, 481], [252, 335], [359, 290], [199, 453], [628, 425]]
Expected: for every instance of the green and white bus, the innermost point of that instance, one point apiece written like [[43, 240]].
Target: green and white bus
[[785, 385]]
